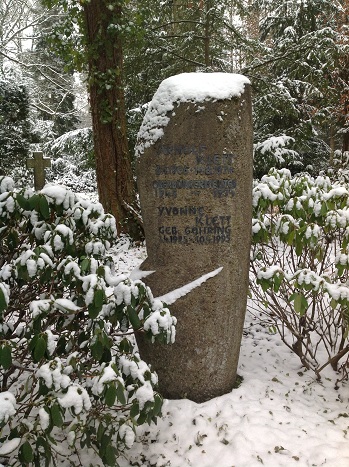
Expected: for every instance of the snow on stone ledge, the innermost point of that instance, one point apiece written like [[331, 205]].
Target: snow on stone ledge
[[186, 87]]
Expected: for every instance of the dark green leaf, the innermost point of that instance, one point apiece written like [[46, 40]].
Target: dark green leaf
[[110, 455], [290, 237], [97, 350], [133, 317], [120, 393], [100, 432], [12, 240], [40, 349], [26, 454], [110, 395], [85, 264], [61, 345], [134, 410], [277, 282], [157, 405], [43, 389], [98, 299], [32, 343], [323, 209], [83, 337], [142, 417], [300, 304], [6, 357], [146, 310], [34, 201], [340, 269], [44, 207], [299, 245], [264, 283], [37, 324], [3, 304], [56, 415], [93, 311], [23, 202], [125, 346], [106, 356], [104, 443]]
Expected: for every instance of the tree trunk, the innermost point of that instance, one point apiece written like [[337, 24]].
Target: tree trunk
[[115, 182]]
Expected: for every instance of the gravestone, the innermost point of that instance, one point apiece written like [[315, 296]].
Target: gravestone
[[39, 164], [194, 174]]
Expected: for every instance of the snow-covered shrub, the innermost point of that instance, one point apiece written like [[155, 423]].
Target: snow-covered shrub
[[300, 265], [281, 152], [73, 162], [340, 168], [71, 380], [275, 151]]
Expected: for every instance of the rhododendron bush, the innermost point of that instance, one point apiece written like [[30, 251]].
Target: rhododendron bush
[[70, 376], [300, 263]]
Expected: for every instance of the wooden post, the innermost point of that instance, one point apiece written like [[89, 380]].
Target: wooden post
[[39, 163]]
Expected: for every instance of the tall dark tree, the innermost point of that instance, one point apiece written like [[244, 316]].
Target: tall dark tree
[[341, 75], [103, 41], [90, 37]]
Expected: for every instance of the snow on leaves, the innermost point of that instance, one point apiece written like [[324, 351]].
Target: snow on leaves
[[300, 264], [66, 329]]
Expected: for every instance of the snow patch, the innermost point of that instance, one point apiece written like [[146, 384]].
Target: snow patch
[[76, 398], [7, 406], [171, 297]]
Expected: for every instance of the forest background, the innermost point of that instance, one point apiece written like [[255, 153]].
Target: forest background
[[62, 61]]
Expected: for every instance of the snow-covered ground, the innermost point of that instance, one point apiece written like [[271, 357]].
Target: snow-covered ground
[[279, 416]]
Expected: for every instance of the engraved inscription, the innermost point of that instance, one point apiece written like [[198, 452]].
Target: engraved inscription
[[197, 163], [191, 171], [197, 228], [181, 149]]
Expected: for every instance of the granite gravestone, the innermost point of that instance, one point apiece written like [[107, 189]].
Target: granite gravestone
[[194, 167]]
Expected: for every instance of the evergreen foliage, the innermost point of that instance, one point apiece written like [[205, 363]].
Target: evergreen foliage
[[294, 74], [73, 162], [173, 37], [300, 265], [70, 372], [15, 129]]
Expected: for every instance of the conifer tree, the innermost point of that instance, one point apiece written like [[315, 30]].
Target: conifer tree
[[15, 131], [293, 71]]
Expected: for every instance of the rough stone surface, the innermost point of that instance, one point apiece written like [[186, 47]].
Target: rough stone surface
[[195, 187]]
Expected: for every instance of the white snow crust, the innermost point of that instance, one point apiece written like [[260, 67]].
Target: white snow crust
[[173, 296], [7, 405], [185, 87]]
